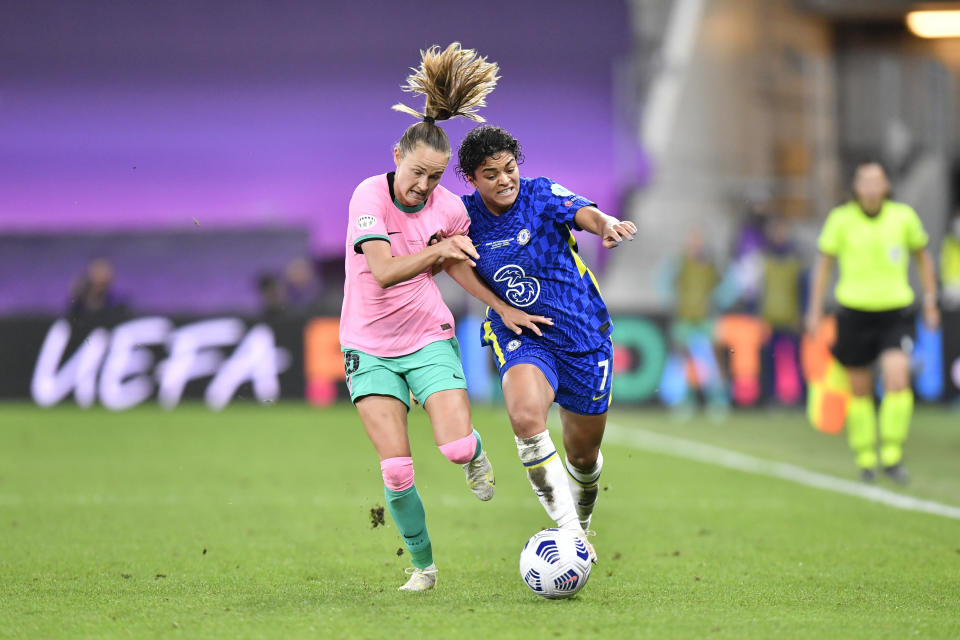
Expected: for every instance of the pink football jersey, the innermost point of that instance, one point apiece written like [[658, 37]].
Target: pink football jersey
[[409, 315]]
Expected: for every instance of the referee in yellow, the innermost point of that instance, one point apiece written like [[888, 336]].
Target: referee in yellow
[[872, 238]]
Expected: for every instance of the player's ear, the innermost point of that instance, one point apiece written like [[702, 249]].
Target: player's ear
[[473, 183], [397, 156]]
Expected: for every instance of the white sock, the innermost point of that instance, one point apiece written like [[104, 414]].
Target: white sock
[[585, 488], [546, 474]]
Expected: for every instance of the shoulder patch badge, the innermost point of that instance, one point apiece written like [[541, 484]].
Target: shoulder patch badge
[[366, 221]]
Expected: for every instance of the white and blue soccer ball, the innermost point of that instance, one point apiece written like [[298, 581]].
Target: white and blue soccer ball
[[555, 563]]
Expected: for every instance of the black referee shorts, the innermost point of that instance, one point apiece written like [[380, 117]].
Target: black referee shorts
[[863, 335]]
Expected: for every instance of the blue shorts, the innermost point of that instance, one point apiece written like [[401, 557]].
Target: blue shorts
[[581, 381]]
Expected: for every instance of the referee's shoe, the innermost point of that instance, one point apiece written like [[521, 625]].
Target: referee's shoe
[[897, 473]]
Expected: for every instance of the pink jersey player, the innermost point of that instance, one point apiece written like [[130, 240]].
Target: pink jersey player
[[406, 316]]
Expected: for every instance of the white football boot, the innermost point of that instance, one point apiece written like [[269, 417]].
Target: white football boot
[[583, 536], [420, 579], [480, 479]]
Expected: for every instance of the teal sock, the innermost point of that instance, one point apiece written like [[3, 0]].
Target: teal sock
[[479, 449], [406, 508]]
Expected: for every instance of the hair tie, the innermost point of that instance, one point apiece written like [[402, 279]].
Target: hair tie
[[429, 119]]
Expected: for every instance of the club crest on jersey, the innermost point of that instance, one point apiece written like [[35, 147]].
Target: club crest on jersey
[[895, 254], [524, 236], [522, 290], [512, 345], [366, 221]]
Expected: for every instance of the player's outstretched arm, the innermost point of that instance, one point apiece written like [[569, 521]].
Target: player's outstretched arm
[[513, 319], [821, 274], [612, 231], [389, 269]]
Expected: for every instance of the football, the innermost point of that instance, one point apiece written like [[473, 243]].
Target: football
[[555, 563]]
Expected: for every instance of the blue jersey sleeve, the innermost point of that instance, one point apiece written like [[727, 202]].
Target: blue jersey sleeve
[[556, 202]]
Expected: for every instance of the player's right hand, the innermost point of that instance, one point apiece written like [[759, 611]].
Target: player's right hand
[[516, 320], [458, 247]]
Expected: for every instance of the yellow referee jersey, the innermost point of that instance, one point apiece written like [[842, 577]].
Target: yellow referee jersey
[[873, 254]]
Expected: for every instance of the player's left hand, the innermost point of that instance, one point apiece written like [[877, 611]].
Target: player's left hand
[[516, 320], [615, 231]]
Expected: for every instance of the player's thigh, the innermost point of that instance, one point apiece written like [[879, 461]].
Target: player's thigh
[[384, 419], [585, 380], [449, 412], [432, 369], [861, 381], [527, 395], [896, 343], [381, 396], [582, 435]]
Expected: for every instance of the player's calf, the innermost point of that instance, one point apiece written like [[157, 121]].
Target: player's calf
[[585, 488], [546, 475]]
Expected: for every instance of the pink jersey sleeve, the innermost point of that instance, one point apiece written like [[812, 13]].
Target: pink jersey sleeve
[[366, 215], [458, 221]]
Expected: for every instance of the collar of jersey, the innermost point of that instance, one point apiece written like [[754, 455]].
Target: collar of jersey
[[407, 209], [867, 215], [396, 202], [483, 205]]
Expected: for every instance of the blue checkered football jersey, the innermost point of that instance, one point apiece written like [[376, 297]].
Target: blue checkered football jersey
[[528, 256]]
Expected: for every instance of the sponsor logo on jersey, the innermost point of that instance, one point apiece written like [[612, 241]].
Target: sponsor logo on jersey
[[512, 345], [524, 236], [366, 221], [522, 290], [895, 254], [499, 244], [559, 190]]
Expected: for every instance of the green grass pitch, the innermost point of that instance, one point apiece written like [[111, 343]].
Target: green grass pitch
[[255, 523]]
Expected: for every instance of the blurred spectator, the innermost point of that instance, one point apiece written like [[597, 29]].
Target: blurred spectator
[[302, 288], [93, 294], [693, 278], [272, 294], [747, 266], [950, 263], [780, 305]]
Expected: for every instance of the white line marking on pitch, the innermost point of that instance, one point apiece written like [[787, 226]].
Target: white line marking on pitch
[[692, 450]]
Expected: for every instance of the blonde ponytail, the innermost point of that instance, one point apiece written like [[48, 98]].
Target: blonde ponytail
[[455, 81]]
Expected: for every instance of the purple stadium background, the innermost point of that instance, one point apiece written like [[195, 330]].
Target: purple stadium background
[[199, 117]]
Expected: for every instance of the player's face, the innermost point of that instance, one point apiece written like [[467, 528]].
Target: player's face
[[418, 173], [498, 181], [870, 186]]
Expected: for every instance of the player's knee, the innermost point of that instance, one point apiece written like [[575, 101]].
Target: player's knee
[[460, 451], [895, 383], [397, 473], [527, 421], [583, 461], [896, 376]]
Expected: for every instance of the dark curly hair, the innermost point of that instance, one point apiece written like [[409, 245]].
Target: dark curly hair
[[481, 143]]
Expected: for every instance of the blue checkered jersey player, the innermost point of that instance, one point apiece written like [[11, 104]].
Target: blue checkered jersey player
[[522, 231]]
